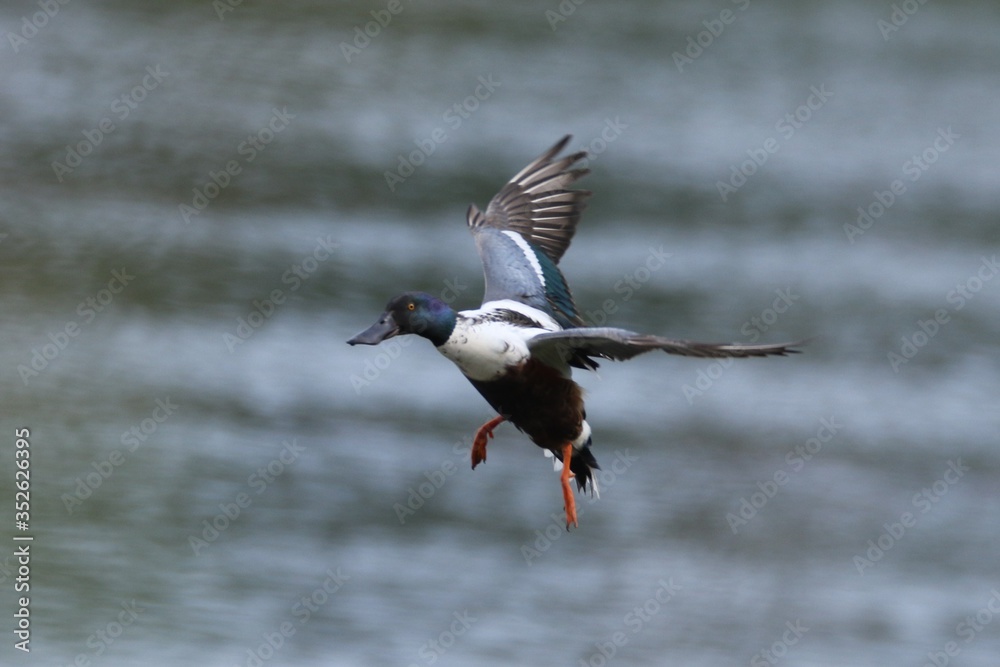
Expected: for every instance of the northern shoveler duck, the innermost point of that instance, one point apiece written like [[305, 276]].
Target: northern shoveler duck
[[518, 349]]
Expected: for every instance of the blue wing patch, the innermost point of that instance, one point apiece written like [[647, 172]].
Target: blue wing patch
[[526, 229]]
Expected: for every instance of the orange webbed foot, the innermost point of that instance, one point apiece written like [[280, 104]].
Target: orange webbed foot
[[483, 435]]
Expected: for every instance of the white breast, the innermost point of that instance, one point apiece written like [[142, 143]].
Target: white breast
[[484, 350]]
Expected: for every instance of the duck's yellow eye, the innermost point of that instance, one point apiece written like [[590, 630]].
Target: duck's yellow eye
[[410, 306]]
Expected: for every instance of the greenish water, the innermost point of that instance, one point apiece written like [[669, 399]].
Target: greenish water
[[198, 210]]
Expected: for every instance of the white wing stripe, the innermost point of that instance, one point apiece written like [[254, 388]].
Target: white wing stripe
[[528, 253]]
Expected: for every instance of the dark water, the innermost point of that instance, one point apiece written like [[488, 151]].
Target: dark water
[[197, 214]]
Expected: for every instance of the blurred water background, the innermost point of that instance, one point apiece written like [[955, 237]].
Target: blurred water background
[[202, 201]]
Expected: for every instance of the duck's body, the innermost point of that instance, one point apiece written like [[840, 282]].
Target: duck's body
[[490, 346], [518, 349]]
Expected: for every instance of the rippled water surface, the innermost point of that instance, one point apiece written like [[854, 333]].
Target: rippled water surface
[[200, 206]]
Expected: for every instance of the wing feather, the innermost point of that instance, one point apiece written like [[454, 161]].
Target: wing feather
[[536, 205], [621, 344]]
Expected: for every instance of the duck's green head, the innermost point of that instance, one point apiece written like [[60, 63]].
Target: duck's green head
[[411, 313]]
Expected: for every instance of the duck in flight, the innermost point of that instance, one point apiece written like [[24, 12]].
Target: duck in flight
[[519, 347]]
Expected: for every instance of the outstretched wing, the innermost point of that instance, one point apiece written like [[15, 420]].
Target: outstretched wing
[[621, 344], [526, 229]]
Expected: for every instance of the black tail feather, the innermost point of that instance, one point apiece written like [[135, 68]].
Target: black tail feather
[[582, 464]]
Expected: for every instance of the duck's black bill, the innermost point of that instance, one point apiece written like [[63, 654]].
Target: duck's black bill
[[385, 328]]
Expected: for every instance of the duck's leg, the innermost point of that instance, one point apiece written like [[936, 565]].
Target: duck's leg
[[570, 503], [483, 435]]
